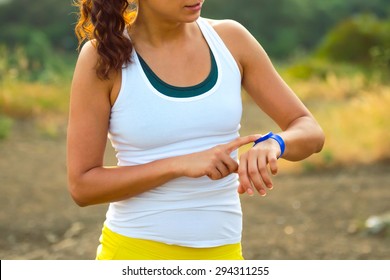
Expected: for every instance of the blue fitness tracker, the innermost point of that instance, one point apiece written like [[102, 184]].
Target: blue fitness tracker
[[276, 137]]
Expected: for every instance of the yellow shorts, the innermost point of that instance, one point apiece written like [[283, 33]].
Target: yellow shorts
[[114, 246]]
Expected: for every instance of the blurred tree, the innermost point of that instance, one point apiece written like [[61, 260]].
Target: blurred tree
[[361, 39], [284, 27], [53, 18]]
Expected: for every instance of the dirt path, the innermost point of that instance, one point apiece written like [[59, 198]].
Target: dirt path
[[308, 216]]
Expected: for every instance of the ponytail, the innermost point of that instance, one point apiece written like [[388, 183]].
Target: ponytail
[[105, 22]]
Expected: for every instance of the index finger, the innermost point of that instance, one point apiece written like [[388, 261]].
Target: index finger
[[240, 141]]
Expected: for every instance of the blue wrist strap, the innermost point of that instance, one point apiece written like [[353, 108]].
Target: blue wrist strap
[[276, 137]]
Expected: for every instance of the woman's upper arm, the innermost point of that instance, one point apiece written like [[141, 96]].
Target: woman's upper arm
[[259, 77], [88, 115]]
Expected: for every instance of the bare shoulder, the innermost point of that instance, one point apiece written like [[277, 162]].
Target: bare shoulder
[[240, 42], [88, 54], [228, 28], [86, 67]]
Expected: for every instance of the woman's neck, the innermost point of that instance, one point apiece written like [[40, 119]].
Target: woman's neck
[[157, 32]]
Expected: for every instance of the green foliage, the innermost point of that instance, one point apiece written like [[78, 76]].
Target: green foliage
[[287, 27], [35, 48], [284, 27], [5, 127], [380, 54], [306, 69], [53, 18], [35, 61], [36, 40], [359, 40], [314, 68], [41, 29], [359, 45]]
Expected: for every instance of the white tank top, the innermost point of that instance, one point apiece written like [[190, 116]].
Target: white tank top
[[146, 125]]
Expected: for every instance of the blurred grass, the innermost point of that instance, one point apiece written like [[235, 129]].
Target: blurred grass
[[30, 93], [358, 127], [20, 99], [5, 126], [352, 104]]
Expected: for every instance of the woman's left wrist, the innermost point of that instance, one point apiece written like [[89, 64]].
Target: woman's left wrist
[[275, 137]]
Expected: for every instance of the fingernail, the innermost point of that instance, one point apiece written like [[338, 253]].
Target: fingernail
[[250, 192], [263, 193]]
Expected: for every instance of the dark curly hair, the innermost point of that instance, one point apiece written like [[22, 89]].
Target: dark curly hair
[[104, 22]]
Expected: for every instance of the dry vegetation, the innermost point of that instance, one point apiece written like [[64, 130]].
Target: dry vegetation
[[354, 113]]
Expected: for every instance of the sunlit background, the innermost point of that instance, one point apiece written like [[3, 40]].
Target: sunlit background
[[335, 54]]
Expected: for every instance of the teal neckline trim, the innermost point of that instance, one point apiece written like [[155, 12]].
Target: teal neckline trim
[[181, 92]]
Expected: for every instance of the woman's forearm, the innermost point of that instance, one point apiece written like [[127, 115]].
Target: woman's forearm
[[108, 184], [302, 138]]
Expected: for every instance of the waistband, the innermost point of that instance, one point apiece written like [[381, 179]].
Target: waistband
[[114, 246]]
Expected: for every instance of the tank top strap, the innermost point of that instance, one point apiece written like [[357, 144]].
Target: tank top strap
[[217, 45]]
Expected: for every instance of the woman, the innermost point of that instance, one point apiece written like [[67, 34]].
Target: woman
[[165, 87]]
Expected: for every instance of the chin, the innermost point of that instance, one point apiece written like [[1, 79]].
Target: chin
[[192, 18]]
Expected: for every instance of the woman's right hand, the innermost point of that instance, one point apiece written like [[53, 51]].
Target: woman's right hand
[[216, 163]]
